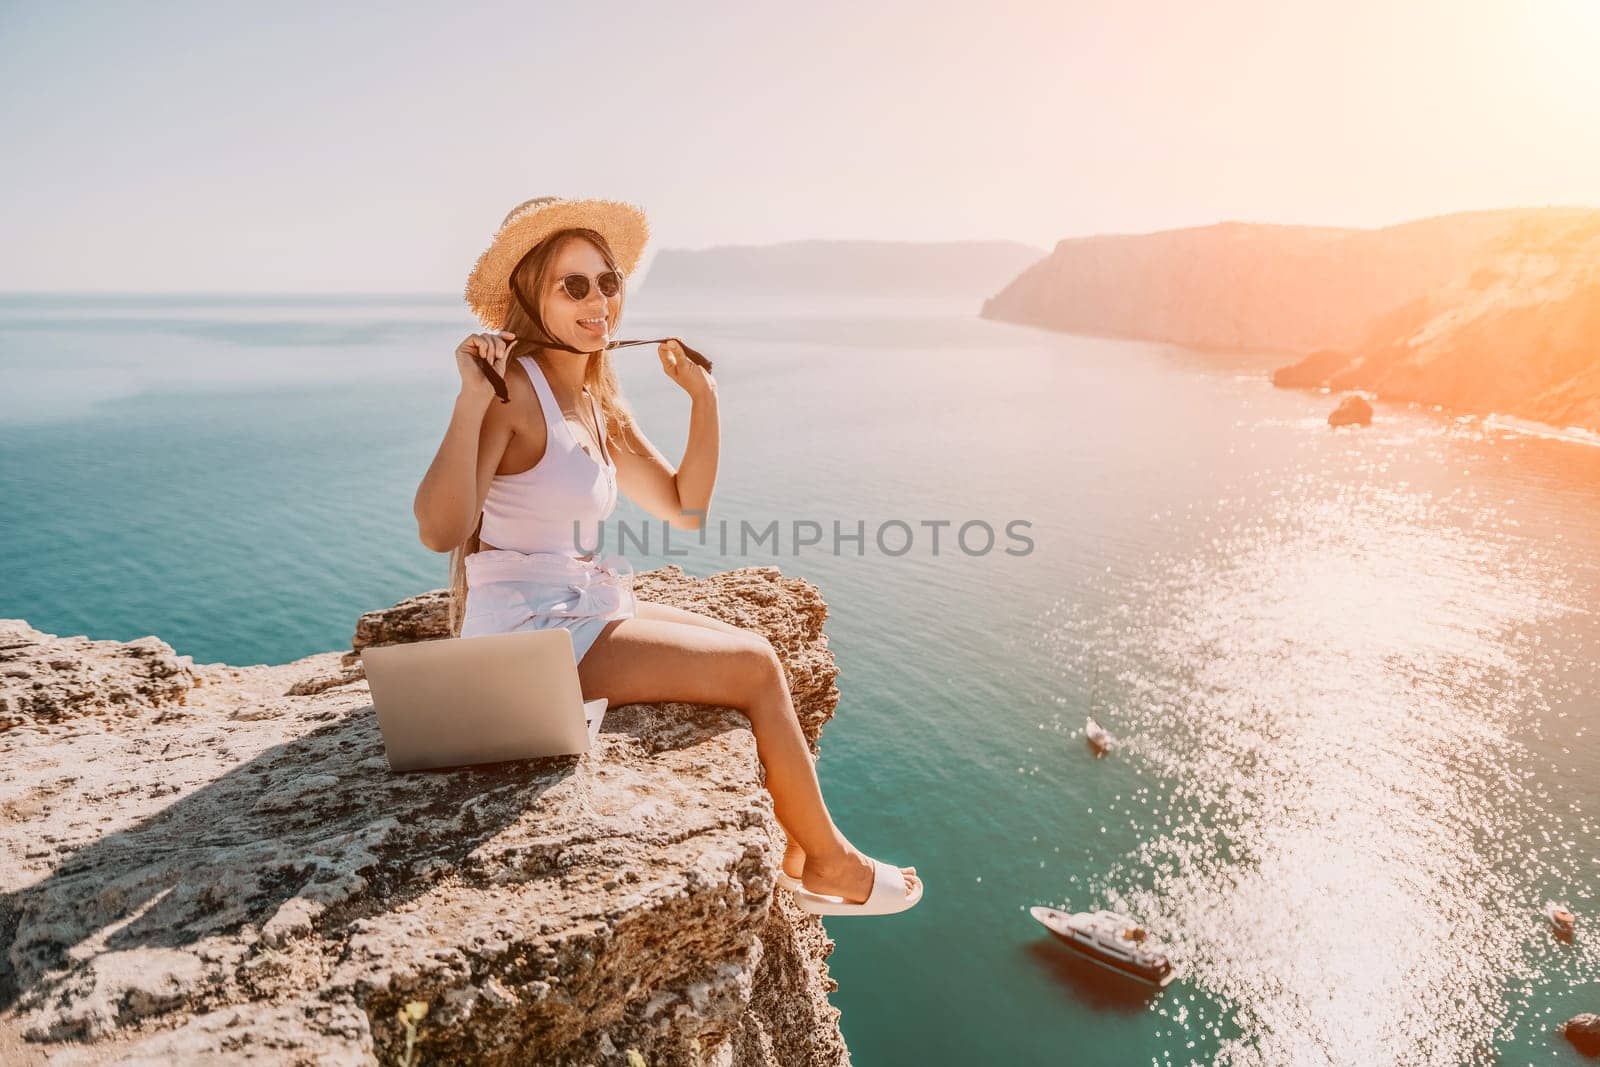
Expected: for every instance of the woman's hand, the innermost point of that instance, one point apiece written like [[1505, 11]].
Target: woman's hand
[[494, 347], [675, 364]]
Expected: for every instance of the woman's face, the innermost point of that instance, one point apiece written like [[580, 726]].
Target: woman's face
[[584, 324]]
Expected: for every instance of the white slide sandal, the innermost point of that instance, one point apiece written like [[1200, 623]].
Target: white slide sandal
[[887, 897]]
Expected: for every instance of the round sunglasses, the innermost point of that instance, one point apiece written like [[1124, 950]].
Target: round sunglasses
[[609, 282], [609, 277]]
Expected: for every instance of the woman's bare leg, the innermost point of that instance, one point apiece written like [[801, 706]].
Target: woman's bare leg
[[794, 857], [651, 659]]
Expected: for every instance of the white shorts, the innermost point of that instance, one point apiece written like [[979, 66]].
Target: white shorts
[[512, 591]]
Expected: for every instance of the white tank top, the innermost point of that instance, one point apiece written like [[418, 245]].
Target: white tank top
[[534, 511]]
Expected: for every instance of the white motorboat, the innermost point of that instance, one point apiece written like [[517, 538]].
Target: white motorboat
[[1098, 736], [1112, 941]]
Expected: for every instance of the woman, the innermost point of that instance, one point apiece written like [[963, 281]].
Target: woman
[[514, 482]]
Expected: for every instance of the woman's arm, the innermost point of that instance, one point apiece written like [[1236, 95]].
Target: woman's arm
[[667, 493], [452, 492], [697, 472]]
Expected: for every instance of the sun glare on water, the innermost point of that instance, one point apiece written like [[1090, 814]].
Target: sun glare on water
[[1342, 695]]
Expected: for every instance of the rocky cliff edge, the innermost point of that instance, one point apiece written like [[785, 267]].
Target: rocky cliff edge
[[213, 864]]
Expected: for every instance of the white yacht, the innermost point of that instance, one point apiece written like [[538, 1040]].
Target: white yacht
[[1098, 736], [1113, 941], [1561, 919]]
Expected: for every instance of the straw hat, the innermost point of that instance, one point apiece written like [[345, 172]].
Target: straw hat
[[488, 286]]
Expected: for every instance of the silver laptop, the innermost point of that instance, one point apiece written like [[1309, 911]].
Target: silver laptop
[[465, 700]]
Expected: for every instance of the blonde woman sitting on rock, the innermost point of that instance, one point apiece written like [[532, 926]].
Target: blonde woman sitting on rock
[[517, 474]]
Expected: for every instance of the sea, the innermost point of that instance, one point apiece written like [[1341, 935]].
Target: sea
[[1353, 675]]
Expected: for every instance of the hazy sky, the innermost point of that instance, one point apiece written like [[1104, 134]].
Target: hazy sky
[[218, 146]]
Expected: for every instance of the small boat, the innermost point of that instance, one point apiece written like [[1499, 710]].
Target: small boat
[[1109, 940], [1561, 918], [1099, 737]]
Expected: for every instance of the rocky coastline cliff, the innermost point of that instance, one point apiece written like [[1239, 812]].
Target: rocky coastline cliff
[[213, 864], [1482, 312]]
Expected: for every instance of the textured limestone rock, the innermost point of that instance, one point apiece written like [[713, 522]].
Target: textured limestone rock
[[207, 863], [64, 679]]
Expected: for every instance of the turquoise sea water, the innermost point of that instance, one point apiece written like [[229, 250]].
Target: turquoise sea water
[[1352, 674]]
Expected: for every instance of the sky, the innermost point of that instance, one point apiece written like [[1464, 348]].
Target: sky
[[317, 148]]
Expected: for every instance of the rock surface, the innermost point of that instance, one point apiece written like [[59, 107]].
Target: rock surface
[[209, 863]]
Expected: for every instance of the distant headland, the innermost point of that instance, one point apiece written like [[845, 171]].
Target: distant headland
[[955, 269], [1483, 311]]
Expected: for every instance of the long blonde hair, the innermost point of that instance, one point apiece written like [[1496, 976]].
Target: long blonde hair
[[531, 276]]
